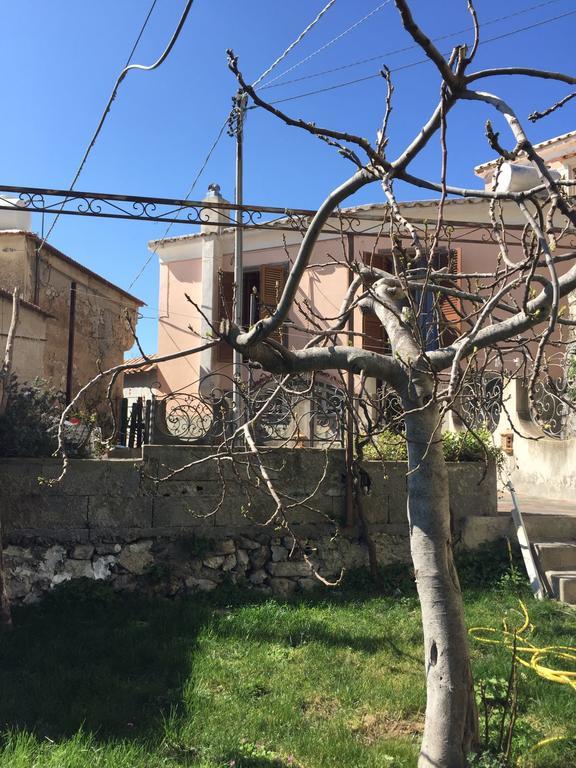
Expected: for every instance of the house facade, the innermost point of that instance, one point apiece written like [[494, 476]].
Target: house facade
[[73, 322], [197, 284]]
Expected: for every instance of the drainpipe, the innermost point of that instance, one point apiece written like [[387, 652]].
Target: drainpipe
[[71, 331]]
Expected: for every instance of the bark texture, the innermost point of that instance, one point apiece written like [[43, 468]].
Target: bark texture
[[450, 730]]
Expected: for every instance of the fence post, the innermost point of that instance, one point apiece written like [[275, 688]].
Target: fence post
[[123, 421]]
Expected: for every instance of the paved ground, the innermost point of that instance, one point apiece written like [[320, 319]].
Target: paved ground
[[533, 504]]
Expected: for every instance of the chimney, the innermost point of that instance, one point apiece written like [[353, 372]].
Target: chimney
[[221, 217], [13, 214]]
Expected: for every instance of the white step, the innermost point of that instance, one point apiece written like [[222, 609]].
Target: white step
[[556, 555], [563, 584], [549, 527]]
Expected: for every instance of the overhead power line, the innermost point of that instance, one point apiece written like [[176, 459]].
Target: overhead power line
[[379, 57], [329, 43], [123, 73], [293, 45], [336, 86], [188, 195], [274, 64]]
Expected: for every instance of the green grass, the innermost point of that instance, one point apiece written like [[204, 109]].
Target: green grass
[[89, 678]]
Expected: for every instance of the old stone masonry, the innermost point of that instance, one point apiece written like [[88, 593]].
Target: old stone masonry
[[113, 520]]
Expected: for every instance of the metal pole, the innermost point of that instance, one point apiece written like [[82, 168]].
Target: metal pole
[[349, 447], [239, 111], [71, 333]]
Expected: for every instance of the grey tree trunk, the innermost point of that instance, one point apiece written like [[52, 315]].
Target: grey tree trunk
[[451, 726], [5, 613]]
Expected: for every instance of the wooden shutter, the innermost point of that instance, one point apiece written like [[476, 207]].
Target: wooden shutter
[[379, 260], [272, 281], [374, 337], [450, 307], [225, 308]]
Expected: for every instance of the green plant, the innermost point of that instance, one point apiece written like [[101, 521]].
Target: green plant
[[256, 755], [29, 425], [477, 445], [387, 446], [458, 446], [571, 376]]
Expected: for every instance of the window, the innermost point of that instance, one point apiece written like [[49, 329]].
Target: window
[[441, 317], [374, 337], [261, 289]]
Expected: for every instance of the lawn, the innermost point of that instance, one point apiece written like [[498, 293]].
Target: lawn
[[90, 678]]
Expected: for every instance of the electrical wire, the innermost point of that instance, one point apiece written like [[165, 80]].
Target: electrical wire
[[274, 64], [336, 86], [331, 42], [379, 57], [188, 195], [123, 73], [292, 45]]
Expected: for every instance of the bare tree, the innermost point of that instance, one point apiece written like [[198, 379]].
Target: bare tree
[[514, 309], [518, 309]]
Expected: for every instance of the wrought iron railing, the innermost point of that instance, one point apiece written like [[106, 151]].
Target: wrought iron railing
[[481, 401], [293, 411], [552, 407]]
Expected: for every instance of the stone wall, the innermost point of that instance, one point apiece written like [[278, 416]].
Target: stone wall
[[205, 525]]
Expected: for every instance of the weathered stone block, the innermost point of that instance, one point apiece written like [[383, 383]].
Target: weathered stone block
[[136, 557], [82, 552], [258, 577], [42, 511], [201, 585], [109, 512], [224, 547], [169, 512], [279, 554], [289, 569], [119, 477], [477, 531], [259, 557], [242, 559]]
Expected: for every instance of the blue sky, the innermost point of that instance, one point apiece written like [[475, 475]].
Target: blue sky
[[60, 60]]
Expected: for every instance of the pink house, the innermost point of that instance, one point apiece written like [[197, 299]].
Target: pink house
[[200, 266]]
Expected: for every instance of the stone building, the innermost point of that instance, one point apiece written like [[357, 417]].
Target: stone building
[[72, 320]]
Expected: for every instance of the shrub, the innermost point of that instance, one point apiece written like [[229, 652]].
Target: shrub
[[457, 446], [29, 426]]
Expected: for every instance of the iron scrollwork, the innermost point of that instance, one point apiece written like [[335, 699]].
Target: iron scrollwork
[[481, 401], [552, 407]]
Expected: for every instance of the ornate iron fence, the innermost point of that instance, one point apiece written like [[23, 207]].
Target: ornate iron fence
[[481, 401], [552, 407], [294, 411]]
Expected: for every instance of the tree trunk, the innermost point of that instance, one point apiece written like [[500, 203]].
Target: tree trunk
[[5, 613], [451, 725]]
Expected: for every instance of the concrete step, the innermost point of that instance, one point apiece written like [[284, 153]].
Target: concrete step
[[556, 555], [550, 527], [563, 584]]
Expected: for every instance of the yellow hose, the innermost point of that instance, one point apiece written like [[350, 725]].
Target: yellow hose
[[531, 656]]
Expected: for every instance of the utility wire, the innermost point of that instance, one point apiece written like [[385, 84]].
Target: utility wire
[[328, 44], [294, 43], [413, 63], [379, 57], [123, 73], [274, 64], [188, 195]]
